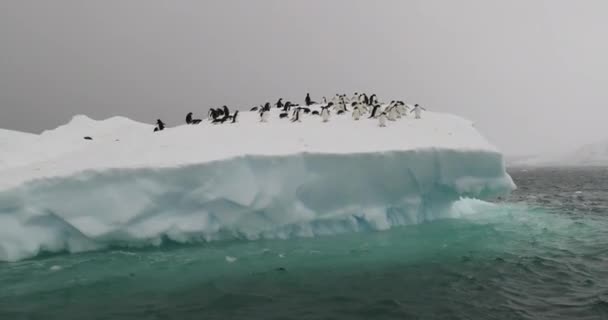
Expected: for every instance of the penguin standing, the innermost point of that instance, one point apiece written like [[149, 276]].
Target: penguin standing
[[308, 100], [160, 126], [374, 111], [296, 116], [264, 114], [373, 99], [325, 113], [279, 103], [392, 113], [382, 119], [417, 111], [356, 113]]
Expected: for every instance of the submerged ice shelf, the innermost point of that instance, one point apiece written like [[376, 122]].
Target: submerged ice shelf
[[249, 180]]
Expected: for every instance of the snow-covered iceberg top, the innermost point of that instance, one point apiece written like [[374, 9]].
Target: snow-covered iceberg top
[[122, 143], [249, 179]]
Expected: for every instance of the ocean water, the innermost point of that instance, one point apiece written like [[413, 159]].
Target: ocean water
[[541, 253]]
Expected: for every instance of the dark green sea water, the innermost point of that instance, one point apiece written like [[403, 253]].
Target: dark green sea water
[[540, 254]]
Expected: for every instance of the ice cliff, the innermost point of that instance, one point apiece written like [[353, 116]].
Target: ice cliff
[[249, 180]]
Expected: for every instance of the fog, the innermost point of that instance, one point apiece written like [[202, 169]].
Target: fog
[[531, 74]]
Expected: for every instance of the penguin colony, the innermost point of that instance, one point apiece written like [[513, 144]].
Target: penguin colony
[[359, 106]]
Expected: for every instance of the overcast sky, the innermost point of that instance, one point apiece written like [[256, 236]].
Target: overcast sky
[[532, 74]]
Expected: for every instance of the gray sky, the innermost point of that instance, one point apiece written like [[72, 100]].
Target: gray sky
[[532, 74]]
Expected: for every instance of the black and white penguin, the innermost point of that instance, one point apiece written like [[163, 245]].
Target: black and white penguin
[[315, 113], [189, 119], [417, 110], [382, 119], [373, 99], [279, 103], [325, 113], [296, 115], [264, 115], [226, 111], [287, 106], [308, 100], [234, 116], [283, 115], [306, 110], [160, 126], [392, 113], [340, 112], [357, 113], [363, 98], [267, 106], [374, 111]]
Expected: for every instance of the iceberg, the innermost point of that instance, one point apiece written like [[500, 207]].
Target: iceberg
[[249, 180]]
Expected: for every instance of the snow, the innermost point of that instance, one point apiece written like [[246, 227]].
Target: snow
[[250, 180], [63, 151]]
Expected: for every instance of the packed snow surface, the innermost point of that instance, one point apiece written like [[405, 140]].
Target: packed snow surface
[[129, 186]]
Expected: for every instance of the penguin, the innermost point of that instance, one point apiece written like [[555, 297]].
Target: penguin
[[287, 106], [306, 110], [88, 138], [374, 111], [189, 119], [373, 99], [324, 100], [382, 119], [363, 99], [315, 113], [356, 113], [283, 115], [340, 112], [279, 103], [296, 116], [226, 111], [308, 100], [254, 109], [212, 114], [236, 113], [264, 114], [325, 113], [160, 126], [392, 113], [417, 110], [267, 106]]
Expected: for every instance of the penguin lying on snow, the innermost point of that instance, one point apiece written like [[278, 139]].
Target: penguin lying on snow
[[283, 115], [189, 119]]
